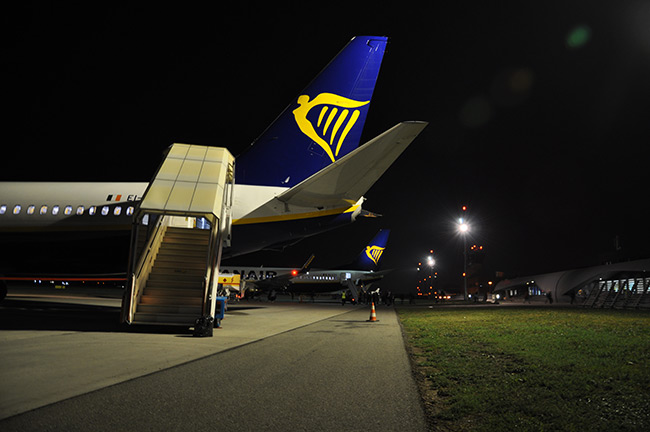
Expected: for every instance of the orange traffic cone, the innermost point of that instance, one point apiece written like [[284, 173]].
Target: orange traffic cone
[[373, 314]]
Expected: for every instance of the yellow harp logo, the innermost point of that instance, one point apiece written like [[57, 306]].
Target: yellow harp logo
[[374, 253], [329, 113]]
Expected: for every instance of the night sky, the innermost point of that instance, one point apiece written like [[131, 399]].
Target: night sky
[[538, 114]]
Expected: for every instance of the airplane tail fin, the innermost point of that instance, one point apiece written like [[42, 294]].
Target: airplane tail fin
[[371, 255], [323, 123]]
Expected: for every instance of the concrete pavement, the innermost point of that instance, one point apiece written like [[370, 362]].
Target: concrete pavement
[[271, 367]]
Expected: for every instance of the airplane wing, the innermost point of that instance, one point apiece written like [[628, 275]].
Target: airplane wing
[[346, 180], [372, 276]]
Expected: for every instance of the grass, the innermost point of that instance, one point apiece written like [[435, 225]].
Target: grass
[[531, 368]]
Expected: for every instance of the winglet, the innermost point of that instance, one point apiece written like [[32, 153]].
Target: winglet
[[307, 265]]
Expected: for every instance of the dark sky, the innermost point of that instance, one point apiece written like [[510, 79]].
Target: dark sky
[[538, 113]]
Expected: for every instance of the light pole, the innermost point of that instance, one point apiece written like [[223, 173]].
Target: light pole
[[463, 228], [430, 262]]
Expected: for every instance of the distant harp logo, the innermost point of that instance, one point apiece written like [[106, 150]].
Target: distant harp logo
[[374, 253], [336, 118]]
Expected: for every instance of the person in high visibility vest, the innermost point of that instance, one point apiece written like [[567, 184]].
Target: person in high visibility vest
[[343, 298]]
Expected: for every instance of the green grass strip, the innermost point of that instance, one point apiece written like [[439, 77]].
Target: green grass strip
[[538, 369]]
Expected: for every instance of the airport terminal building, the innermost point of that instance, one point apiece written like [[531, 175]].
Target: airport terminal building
[[624, 285]]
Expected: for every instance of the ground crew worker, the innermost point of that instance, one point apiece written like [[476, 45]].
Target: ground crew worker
[[343, 298]]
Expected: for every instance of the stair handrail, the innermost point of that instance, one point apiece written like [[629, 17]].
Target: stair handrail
[[142, 269], [220, 232], [208, 280]]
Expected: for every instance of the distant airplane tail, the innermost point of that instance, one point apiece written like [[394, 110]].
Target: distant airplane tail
[[307, 265], [371, 255], [323, 123]]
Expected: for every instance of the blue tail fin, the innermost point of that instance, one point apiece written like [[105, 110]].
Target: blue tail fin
[[370, 255], [321, 125]]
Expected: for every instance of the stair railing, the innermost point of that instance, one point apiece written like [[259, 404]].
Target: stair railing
[[209, 292], [141, 270]]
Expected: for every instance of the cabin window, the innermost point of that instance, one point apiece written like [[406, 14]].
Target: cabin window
[[67, 211], [17, 209], [92, 210], [105, 210], [43, 210], [117, 211], [3, 209], [55, 210], [80, 210], [129, 211], [30, 209]]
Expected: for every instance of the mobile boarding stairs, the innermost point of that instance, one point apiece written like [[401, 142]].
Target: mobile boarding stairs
[[178, 231]]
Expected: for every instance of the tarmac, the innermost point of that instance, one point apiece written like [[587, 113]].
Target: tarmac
[[280, 366]]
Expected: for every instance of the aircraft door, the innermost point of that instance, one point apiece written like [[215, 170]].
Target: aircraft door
[[346, 280]]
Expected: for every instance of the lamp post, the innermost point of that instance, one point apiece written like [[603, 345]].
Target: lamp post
[[463, 228], [430, 262]]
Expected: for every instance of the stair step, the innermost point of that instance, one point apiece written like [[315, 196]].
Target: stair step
[[179, 268], [178, 253], [190, 292], [175, 284], [186, 237], [186, 288], [179, 262], [181, 282], [166, 290], [191, 284], [188, 230], [180, 242], [170, 300], [169, 309], [171, 319], [177, 273], [191, 252]]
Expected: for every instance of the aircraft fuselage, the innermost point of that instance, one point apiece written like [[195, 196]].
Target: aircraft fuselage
[[56, 210]]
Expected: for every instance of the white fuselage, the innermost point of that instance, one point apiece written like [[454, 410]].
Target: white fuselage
[[334, 279], [259, 219], [40, 205]]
